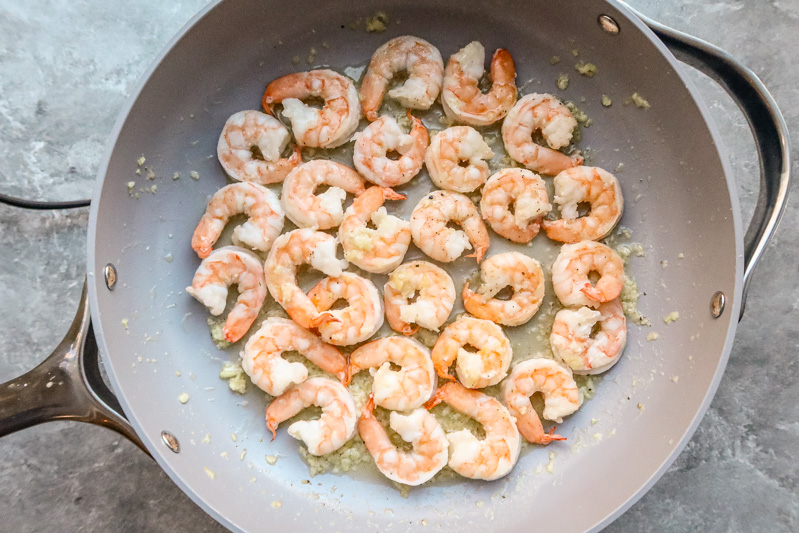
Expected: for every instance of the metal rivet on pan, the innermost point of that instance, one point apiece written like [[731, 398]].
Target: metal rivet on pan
[[110, 273], [171, 441], [717, 304], [607, 23]]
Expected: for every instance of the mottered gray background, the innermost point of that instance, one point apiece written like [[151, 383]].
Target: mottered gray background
[[66, 69]]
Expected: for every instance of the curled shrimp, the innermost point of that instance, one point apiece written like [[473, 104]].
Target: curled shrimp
[[261, 358], [573, 265], [544, 113], [461, 96], [514, 203], [434, 294], [450, 148], [243, 133], [556, 385], [425, 70], [331, 430], [595, 186], [331, 126], [227, 266], [525, 278], [383, 136], [378, 249], [262, 207], [356, 322], [418, 428], [324, 210], [489, 458], [431, 233], [585, 352], [290, 250], [399, 390], [485, 366]]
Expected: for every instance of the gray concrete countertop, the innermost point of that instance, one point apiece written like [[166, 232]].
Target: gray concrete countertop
[[66, 69]]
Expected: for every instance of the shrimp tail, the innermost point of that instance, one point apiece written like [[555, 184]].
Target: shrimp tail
[[296, 156], [417, 123], [437, 398], [348, 373], [407, 329], [442, 369], [466, 293], [550, 436], [592, 292], [479, 252], [321, 319], [390, 194], [266, 103], [369, 407], [272, 426], [447, 375]]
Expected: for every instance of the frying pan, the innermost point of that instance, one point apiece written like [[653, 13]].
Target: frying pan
[[683, 202]]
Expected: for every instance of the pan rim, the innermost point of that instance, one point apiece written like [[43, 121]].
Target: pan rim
[[729, 339], [164, 459], [158, 453]]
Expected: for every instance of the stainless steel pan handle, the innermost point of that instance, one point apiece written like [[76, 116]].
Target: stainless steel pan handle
[[768, 129], [67, 385]]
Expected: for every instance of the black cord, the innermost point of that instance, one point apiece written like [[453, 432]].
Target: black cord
[[33, 204]]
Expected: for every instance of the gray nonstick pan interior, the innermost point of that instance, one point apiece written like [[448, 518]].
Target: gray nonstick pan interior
[[679, 205]]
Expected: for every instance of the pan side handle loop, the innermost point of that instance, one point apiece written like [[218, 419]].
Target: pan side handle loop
[[766, 123], [67, 385]]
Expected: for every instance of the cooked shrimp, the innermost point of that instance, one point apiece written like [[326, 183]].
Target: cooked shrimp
[[514, 203], [585, 184], [327, 433], [489, 458], [484, 366], [227, 266], [573, 265], [585, 352], [331, 126], [261, 358], [451, 147], [544, 113], [261, 205], [556, 385], [525, 278], [362, 317], [398, 390], [383, 136], [290, 250], [377, 250], [325, 210], [243, 133], [430, 231], [434, 292], [420, 429], [461, 96], [425, 70]]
